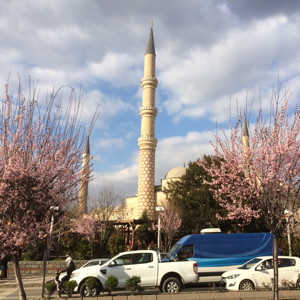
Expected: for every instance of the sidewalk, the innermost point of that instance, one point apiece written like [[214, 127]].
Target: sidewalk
[[28, 281]]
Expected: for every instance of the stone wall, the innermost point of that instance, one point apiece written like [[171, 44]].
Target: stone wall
[[35, 268]]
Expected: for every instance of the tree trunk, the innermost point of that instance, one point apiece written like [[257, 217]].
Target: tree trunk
[[275, 265], [22, 294]]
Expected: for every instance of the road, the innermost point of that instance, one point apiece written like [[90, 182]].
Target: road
[[35, 293]]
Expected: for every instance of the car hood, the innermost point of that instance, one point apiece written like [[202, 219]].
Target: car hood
[[235, 271]]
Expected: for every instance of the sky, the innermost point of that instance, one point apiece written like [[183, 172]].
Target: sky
[[213, 58]]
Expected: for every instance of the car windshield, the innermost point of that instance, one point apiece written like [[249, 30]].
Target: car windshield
[[174, 249], [249, 264]]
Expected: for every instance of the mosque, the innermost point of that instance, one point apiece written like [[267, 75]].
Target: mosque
[[148, 195]]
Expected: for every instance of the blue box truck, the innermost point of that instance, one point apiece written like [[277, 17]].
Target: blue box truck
[[217, 253]]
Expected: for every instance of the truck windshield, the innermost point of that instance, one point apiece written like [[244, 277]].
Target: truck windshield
[[249, 264], [182, 253], [174, 250]]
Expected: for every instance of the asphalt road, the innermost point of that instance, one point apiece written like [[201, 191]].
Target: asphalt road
[[35, 293]]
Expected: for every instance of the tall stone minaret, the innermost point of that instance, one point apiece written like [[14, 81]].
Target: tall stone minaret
[[147, 141], [84, 182], [245, 136]]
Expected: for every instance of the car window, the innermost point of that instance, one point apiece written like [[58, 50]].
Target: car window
[[92, 263], [250, 263], [123, 260], [266, 265], [102, 262], [142, 258], [286, 262], [185, 252]]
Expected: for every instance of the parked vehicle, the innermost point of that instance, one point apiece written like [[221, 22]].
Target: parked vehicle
[[170, 276], [258, 273], [95, 261], [216, 253]]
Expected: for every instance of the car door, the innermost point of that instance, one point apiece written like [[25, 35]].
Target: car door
[[143, 265], [264, 273], [120, 267], [287, 271]]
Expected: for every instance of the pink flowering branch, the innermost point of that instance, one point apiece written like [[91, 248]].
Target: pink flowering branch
[[40, 162]]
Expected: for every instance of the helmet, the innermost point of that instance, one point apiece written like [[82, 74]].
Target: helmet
[[68, 260]]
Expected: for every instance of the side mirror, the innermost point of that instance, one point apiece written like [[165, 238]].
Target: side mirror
[[112, 264], [259, 268]]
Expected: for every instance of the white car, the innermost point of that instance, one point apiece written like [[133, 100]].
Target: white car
[[258, 273], [95, 261]]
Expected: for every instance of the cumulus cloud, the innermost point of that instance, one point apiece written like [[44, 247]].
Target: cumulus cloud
[[211, 57], [245, 60]]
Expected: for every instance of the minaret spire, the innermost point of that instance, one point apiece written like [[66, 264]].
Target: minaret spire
[[85, 171], [147, 141]]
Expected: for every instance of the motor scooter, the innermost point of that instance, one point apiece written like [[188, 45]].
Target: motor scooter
[[58, 286]]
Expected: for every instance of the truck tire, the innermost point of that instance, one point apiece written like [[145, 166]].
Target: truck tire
[[246, 285], [171, 285], [298, 284], [84, 291]]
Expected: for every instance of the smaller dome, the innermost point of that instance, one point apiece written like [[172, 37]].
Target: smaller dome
[[176, 172]]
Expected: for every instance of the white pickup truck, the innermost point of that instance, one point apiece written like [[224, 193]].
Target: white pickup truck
[[155, 271]]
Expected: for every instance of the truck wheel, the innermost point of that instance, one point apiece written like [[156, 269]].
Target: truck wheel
[[246, 285], [84, 291], [298, 284], [171, 285]]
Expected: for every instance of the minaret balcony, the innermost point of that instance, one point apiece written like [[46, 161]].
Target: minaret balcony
[[147, 142], [148, 110], [150, 81]]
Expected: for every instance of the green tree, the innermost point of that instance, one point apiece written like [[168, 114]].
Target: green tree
[[116, 243], [145, 232], [193, 198]]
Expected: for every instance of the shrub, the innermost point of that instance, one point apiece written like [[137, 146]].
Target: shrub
[[50, 288], [133, 283], [69, 287], [91, 283], [111, 283]]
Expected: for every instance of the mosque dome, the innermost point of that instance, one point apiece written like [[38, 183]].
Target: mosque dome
[[176, 172]]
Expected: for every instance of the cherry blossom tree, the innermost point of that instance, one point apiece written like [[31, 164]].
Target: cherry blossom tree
[[107, 205], [87, 226], [259, 173], [170, 222], [40, 162]]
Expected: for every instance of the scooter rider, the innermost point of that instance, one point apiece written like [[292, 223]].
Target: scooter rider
[[70, 267]]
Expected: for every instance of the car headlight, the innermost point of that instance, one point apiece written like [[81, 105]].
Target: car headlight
[[233, 276]]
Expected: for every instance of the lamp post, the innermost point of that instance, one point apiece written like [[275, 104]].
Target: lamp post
[[159, 209], [288, 214], [48, 246]]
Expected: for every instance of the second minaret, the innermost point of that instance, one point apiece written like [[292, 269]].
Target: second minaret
[[147, 141]]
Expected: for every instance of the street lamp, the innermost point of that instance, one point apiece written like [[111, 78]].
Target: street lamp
[[288, 214], [48, 245], [159, 209]]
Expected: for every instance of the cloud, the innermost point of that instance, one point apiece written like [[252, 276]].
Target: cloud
[[210, 56], [244, 60], [110, 143], [170, 153]]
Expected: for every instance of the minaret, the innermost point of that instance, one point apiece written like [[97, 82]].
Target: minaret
[[245, 136], [84, 182], [147, 141]]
